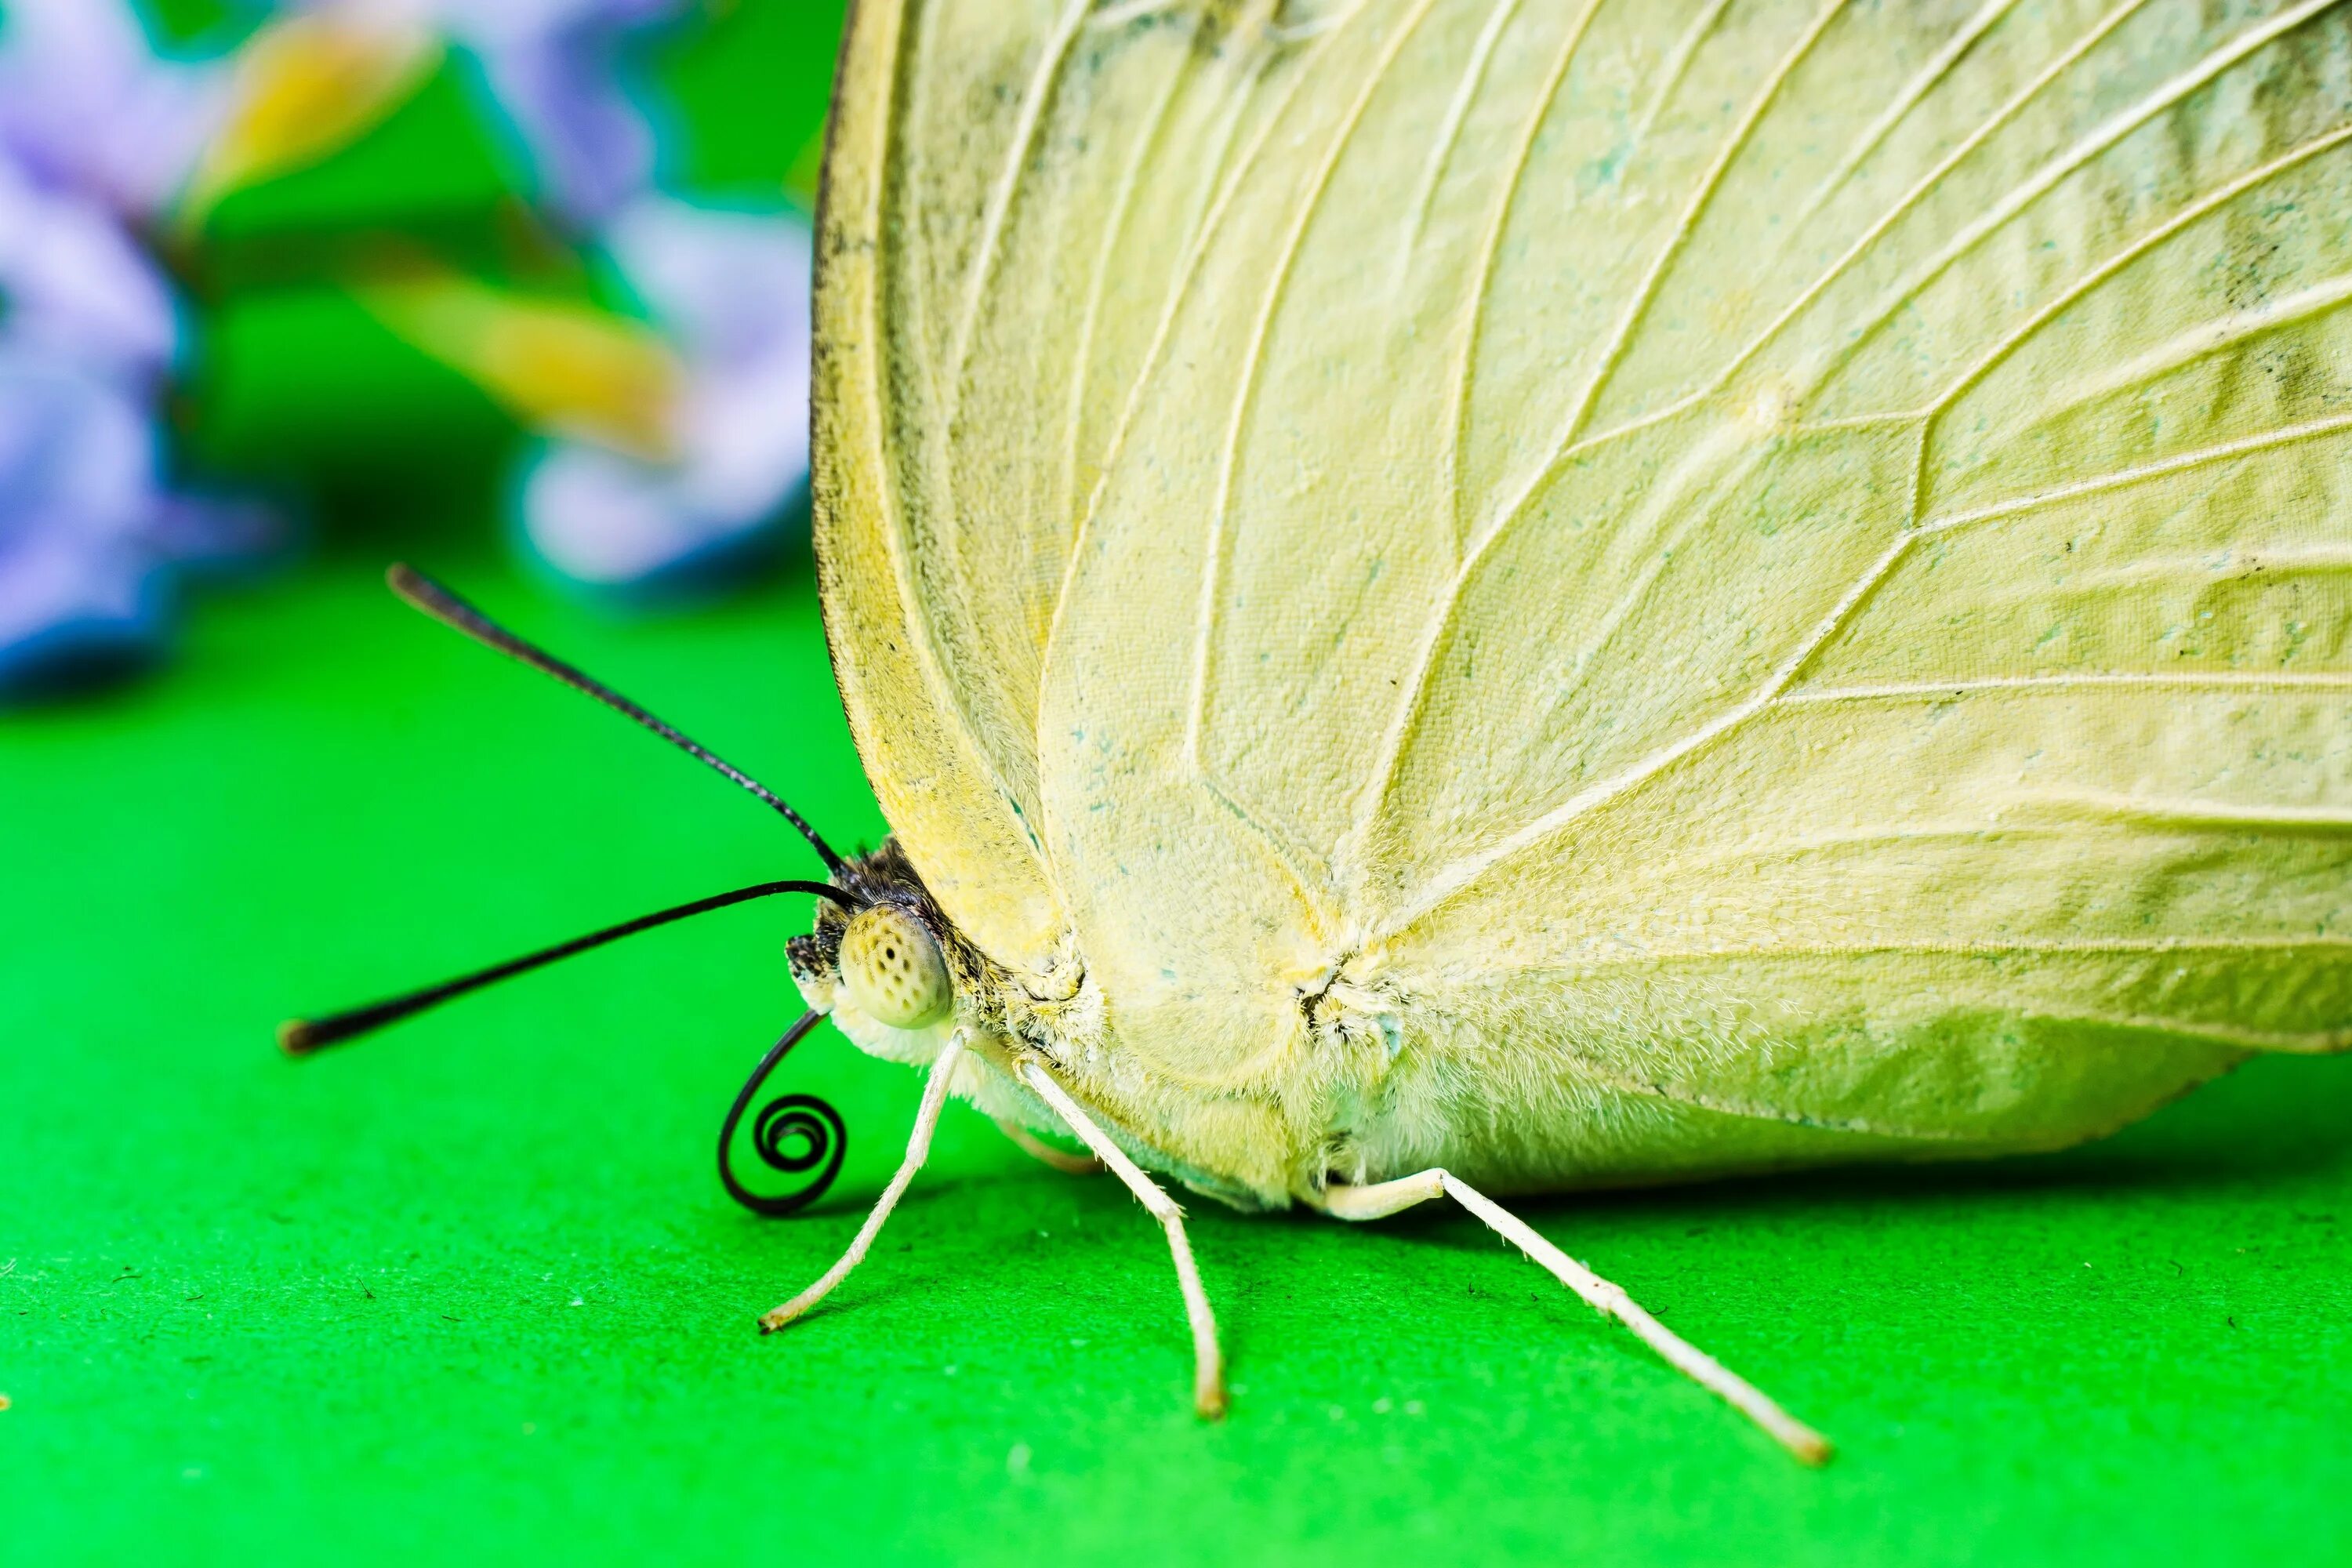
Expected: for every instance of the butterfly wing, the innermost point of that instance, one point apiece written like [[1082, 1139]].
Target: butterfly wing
[[987, 286], [1900, 691], [937, 559], [1700, 581], [1014, 195]]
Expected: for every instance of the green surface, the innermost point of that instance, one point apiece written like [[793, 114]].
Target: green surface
[[469, 1291]]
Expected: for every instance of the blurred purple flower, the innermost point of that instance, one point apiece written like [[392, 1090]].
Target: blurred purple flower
[[76, 287], [731, 292], [80, 591], [95, 134], [85, 105], [88, 535], [560, 72]]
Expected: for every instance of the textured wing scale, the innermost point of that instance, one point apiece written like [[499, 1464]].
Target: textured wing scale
[[1783, 566], [1013, 191]]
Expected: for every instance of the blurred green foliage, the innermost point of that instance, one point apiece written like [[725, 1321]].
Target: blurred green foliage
[[294, 383]]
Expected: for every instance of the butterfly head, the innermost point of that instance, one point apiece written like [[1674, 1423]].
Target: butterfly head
[[879, 961]]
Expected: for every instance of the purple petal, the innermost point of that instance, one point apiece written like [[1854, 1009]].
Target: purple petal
[[723, 282], [590, 142], [609, 521], [733, 290], [81, 593], [86, 106], [76, 287], [88, 535], [78, 455], [70, 615], [209, 531], [558, 72]]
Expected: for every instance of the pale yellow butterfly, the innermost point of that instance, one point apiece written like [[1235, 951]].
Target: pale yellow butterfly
[[1577, 592], [1489, 597]]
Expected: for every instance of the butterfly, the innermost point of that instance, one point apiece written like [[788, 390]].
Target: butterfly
[[1477, 597]]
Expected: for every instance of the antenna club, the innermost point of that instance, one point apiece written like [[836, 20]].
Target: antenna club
[[295, 1038]]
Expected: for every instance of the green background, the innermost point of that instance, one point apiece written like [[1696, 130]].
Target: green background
[[470, 1290]]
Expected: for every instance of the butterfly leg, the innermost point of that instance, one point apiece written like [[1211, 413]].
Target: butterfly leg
[[1379, 1199], [1044, 1154], [918, 1149], [1208, 1362]]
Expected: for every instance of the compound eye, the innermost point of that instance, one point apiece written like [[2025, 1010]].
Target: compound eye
[[892, 970]]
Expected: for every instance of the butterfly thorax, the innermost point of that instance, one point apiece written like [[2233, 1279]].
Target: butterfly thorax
[[1241, 1147]]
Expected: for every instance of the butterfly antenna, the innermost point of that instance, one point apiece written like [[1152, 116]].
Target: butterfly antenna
[[301, 1037], [450, 610]]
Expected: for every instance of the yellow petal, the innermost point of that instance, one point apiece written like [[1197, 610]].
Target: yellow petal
[[304, 88], [557, 365]]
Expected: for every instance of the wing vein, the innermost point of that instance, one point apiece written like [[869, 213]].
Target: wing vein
[[1871, 235], [1187, 273], [2061, 947], [1114, 232], [1002, 191], [2128, 254], [1414, 693], [1461, 873], [1449, 130], [2053, 170], [1921, 84], [923, 641], [1453, 877], [1678, 65], [1402, 717], [2262, 441], [1937, 691], [1490, 247], [2215, 335], [1646, 293], [1212, 569]]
